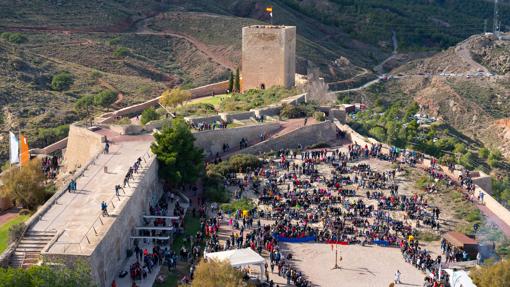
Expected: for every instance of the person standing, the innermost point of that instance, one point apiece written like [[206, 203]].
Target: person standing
[[397, 277]]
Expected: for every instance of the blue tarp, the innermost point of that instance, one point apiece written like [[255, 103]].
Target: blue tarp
[[381, 242], [294, 240]]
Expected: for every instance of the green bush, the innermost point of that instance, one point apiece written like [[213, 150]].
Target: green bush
[[61, 81], [15, 38], [148, 115], [215, 191], [16, 231], [121, 52], [236, 163], [122, 121], [105, 98], [483, 152], [255, 98], [241, 204], [292, 112], [319, 116]]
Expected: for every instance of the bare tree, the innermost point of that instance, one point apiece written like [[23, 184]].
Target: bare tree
[[317, 90]]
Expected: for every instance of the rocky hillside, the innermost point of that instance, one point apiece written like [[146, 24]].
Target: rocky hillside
[[461, 87], [136, 48]]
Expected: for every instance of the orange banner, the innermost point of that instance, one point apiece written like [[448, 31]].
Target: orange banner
[[25, 154], [269, 9]]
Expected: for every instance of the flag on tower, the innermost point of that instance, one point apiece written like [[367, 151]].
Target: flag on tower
[[14, 148], [25, 154]]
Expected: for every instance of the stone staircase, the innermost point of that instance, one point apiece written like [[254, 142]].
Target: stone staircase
[[28, 251]]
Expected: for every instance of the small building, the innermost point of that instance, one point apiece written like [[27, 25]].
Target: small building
[[268, 57], [462, 242]]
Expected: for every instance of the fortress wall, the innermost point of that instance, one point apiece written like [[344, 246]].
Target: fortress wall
[[82, 145], [110, 253], [212, 141], [304, 136]]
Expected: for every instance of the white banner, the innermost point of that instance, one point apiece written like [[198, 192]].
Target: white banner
[[14, 148]]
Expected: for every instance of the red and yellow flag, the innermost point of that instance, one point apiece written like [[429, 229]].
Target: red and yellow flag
[[269, 9], [25, 154]]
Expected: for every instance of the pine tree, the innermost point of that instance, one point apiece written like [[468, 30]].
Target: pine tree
[[237, 82], [231, 82]]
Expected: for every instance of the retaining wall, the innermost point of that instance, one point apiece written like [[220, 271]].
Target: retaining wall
[[236, 116], [270, 111], [202, 119], [82, 145], [305, 136], [212, 141], [204, 91]]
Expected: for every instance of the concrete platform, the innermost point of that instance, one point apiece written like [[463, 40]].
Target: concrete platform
[[77, 216]]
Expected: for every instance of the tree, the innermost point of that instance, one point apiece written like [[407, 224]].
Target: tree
[[56, 275], [105, 98], [61, 81], [148, 115], [237, 82], [173, 98], [217, 274], [231, 82], [25, 185], [180, 161], [495, 275], [483, 152]]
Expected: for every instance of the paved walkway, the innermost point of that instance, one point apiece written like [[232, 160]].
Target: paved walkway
[[78, 211]]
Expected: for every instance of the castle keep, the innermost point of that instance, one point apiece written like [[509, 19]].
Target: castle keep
[[268, 56]]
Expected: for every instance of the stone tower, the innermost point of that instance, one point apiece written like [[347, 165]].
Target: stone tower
[[268, 56]]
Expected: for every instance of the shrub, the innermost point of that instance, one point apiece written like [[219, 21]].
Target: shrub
[[148, 115], [122, 121], [241, 204], [319, 116], [61, 81], [121, 52], [292, 112], [215, 191], [15, 38], [483, 152], [16, 231], [105, 98], [236, 163]]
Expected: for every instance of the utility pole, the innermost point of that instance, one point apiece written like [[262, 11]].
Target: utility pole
[[485, 26]]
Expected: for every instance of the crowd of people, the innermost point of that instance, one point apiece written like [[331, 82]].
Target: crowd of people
[[204, 126], [50, 166], [305, 202]]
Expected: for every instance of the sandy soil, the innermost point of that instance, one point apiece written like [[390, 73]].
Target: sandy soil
[[360, 266]]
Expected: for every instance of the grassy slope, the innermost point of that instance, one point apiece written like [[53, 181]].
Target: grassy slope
[[4, 230]]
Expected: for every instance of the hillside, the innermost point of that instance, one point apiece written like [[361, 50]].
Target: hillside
[[138, 48], [456, 87]]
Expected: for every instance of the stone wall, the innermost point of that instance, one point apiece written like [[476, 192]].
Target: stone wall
[[109, 255], [305, 136], [127, 129], [212, 141], [268, 56], [237, 116], [204, 91], [82, 145], [202, 119], [270, 111]]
